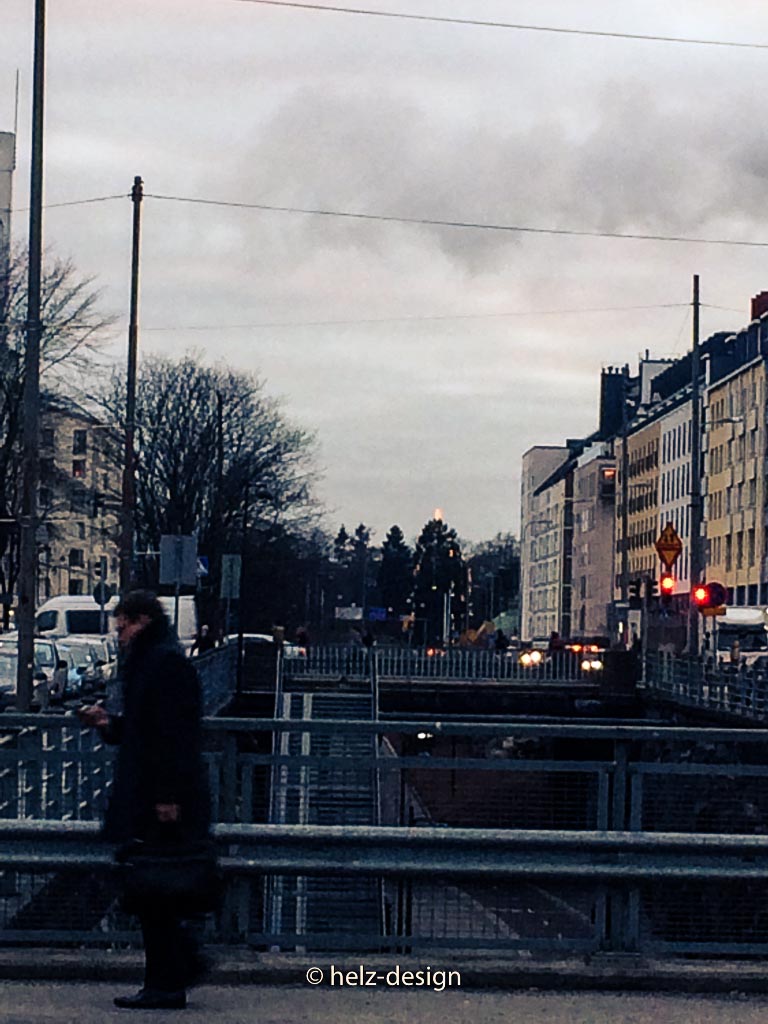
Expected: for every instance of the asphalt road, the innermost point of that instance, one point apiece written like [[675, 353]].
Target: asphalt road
[[73, 1003]]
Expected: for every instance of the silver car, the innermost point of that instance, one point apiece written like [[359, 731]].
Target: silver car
[[50, 671]]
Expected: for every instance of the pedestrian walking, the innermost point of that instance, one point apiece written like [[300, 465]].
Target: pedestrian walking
[[159, 797]]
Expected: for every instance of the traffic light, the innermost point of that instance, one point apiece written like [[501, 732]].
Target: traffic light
[[667, 587], [710, 598], [633, 592]]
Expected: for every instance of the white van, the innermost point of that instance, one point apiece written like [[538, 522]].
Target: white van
[[81, 615], [745, 627], [62, 616]]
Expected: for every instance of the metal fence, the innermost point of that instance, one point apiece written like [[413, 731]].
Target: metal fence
[[519, 892], [740, 691], [517, 836], [359, 663]]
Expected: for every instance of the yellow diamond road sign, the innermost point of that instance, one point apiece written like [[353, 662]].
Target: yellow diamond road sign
[[669, 545]]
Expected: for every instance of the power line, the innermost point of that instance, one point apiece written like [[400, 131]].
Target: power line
[[509, 25], [411, 319], [262, 325], [475, 226], [76, 202]]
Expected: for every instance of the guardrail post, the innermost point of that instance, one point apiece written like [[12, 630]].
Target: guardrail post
[[229, 778]]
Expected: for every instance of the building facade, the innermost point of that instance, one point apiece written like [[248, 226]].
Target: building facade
[[675, 483], [642, 494], [541, 533], [79, 503], [735, 491], [594, 495]]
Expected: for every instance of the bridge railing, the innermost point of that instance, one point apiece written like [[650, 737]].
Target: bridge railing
[[511, 774], [357, 663], [520, 892], [700, 683]]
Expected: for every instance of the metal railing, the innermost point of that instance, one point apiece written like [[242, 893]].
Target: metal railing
[[519, 799], [516, 891], [357, 664], [739, 691]]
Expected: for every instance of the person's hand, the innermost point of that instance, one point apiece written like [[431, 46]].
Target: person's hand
[[167, 812], [94, 715]]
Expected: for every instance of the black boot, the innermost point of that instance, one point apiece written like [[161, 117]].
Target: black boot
[[153, 999]]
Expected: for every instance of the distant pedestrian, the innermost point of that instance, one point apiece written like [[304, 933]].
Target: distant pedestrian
[[204, 642], [368, 640], [159, 794], [302, 637], [556, 643], [501, 642]]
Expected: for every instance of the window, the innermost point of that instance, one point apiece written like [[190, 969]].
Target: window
[[75, 587], [78, 469], [47, 469], [728, 552], [79, 442], [751, 547], [47, 437], [76, 558], [81, 531], [78, 501]]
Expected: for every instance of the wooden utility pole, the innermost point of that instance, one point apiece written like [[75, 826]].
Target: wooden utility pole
[[129, 463], [696, 561], [31, 424]]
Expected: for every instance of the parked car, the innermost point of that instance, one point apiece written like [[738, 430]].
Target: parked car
[[50, 671], [102, 654], [83, 670]]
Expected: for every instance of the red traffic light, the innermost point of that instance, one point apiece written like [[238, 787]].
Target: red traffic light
[[710, 595], [667, 584]]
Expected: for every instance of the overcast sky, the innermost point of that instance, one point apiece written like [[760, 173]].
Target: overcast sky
[[479, 350]]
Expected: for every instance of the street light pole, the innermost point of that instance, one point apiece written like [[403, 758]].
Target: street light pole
[[696, 560], [31, 428], [129, 464]]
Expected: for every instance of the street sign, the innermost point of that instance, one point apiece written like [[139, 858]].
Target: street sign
[[178, 559], [230, 577], [102, 592], [669, 546]]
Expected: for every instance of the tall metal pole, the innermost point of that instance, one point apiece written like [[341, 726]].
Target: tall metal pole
[[696, 561], [31, 430], [625, 484], [129, 464]]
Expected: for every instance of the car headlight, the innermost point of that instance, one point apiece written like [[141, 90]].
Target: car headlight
[[525, 658], [536, 657]]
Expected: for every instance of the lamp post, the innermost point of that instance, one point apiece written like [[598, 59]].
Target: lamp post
[[31, 425]]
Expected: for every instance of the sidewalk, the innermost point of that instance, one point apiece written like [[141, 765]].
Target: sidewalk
[[477, 972], [75, 1003]]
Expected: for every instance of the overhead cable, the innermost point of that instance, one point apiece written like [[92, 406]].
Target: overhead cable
[[475, 22], [470, 225]]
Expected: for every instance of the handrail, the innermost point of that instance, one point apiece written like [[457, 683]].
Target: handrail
[[425, 852], [450, 728]]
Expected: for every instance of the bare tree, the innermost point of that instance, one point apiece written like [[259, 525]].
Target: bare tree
[[213, 453], [72, 329]]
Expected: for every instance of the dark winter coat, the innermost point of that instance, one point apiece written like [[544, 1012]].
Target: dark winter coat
[[159, 733]]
